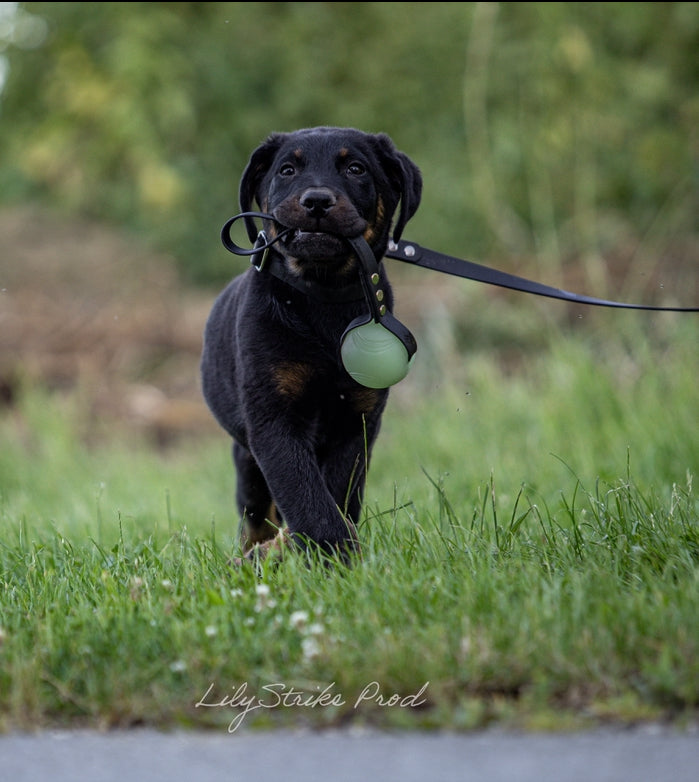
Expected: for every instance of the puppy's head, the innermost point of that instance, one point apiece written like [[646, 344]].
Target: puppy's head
[[330, 184]]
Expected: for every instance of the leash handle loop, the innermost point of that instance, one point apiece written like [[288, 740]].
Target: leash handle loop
[[259, 251]]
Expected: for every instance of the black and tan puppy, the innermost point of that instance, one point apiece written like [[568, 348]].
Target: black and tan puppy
[[303, 429]]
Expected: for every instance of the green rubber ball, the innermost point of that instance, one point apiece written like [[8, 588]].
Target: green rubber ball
[[373, 356]]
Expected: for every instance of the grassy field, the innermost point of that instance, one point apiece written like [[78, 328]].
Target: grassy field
[[530, 558]]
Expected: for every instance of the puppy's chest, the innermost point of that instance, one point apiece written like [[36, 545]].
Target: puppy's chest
[[322, 391]]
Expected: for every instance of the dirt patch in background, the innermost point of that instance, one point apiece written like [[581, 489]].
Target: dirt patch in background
[[83, 309], [91, 314]]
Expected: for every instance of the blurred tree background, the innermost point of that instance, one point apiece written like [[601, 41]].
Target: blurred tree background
[[546, 132]]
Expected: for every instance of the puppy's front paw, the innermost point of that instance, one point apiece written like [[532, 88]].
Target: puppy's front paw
[[274, 547]]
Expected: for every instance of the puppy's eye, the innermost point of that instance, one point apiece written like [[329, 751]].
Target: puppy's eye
[[287, 170], [356, 169]]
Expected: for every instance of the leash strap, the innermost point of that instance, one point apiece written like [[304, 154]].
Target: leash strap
[[410, 252]]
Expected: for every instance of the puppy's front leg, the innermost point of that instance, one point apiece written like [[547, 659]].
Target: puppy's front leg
[[298, 487], [345, 468]]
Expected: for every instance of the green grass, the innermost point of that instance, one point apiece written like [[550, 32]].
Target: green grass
[[530, 554]]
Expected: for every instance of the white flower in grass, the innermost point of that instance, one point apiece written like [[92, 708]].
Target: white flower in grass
[[210, 631], [236, 592], [178, 666], [315, 629], [298, 620], [263, 599], [310, 648]]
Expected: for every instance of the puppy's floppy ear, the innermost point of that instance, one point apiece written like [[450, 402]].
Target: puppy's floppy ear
[[258, 165], [405, 177]]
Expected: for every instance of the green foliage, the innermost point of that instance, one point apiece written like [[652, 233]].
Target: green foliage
[[545, 130]]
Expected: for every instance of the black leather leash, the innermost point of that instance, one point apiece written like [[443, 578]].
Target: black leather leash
[[410, 252]]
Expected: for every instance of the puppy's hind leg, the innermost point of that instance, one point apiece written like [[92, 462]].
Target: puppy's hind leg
[[259, 521]]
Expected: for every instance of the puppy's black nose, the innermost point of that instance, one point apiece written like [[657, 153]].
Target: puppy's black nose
[[318, 201]]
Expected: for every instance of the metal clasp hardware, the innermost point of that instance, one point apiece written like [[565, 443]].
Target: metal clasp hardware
[[259, 258]]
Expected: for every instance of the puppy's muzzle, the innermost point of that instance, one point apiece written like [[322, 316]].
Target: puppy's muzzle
[[318, 202]]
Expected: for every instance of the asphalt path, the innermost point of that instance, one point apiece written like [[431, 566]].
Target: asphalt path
[[649, 754]]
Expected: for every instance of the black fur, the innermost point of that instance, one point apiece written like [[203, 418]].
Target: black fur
[[303, 429]]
